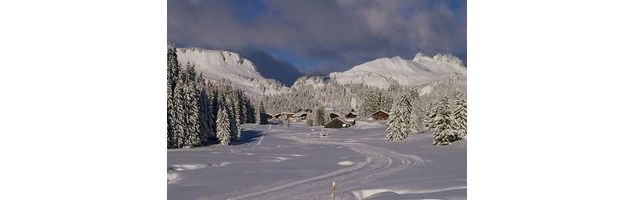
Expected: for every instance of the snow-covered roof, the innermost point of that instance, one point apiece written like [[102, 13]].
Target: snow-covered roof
[[380, 111], [299, 114], [283, 113]]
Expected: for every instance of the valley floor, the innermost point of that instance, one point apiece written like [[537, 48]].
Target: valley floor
[[297, 162]]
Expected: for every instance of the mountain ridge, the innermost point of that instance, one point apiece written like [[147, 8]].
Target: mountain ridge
[[421, 70], [381, 72], [220, 64]]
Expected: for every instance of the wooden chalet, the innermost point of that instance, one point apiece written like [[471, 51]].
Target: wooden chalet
[[380, 115], [337, 123], [299, 116], [283, 115]]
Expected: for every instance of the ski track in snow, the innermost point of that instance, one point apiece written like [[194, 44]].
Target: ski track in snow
[[379, 162], [263, 135], [253, 145]]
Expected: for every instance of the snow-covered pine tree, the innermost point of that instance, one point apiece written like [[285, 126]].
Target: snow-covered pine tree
[[353, 103], [223, 127], [238, 106], [421, 110], [370, 104], [318, 116], [262, 115], [250, 112], [460, 114], [190, 73], [179, 125], [204, 111], [444, 132], [174, 68], [433, 108], [192, 133], [214, 107], [393, 91], [170, 120], [244, 108], [173, 72], [386, 100], [400, 124], [233, 120], [413, 96]]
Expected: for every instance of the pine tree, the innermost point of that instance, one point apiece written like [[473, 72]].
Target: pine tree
[[385, 101], [213, 110], [233, 120], [318, 116], [179, 125], [238, 107], [223, 127], [250, 112], [192, 134], [376, 100], [431, 113], [170, 121], [262, 115], [190, 73], [412, 97], [460, 114], [444, 132], [421, 109], [173, 67], [205, 114], [400, 123], [173, 72]]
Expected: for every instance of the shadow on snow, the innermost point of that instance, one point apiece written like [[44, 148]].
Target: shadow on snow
[[248, 136]]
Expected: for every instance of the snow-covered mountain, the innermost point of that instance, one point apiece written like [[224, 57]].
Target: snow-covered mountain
[[217, 65], [313, 81], [422, 69]]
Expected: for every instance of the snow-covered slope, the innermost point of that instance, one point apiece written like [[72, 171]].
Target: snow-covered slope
[[313, 81], [422, 69], [217, 65]]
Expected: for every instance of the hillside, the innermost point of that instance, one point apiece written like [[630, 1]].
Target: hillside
[[217, 65], [422, 69], [381, 72]]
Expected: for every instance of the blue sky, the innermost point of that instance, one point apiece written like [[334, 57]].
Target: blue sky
[[321, 36]]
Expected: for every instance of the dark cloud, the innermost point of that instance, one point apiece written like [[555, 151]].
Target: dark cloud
[[338, 33]]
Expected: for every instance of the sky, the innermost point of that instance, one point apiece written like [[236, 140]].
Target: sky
[[320, 36]]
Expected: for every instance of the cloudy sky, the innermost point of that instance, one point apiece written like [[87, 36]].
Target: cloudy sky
[[320, 36]]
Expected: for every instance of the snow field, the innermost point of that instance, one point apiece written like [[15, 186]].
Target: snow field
[[359, 161]]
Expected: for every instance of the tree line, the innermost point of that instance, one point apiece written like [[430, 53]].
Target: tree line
[[202, 112], [442, 112]]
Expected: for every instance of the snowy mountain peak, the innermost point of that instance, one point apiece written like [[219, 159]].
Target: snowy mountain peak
[[442, 58], [448, 58], [218, 64], [422, 69], [421, 56], [217, 57]]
